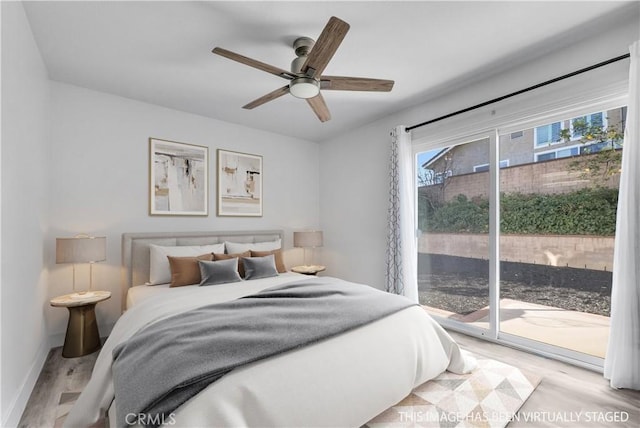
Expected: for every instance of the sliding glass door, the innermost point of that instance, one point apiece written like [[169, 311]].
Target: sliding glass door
[[453, 218], [516, 232], [557, 227]]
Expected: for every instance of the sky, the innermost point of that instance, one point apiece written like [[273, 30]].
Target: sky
[[425, 156]]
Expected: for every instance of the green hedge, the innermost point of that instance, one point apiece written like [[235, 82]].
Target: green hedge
[[458, 215], [583, 212]]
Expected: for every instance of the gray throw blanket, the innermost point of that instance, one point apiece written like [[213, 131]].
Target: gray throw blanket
[[172, 360]]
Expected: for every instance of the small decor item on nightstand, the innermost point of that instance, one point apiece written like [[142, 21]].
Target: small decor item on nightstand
[[308, 270], [81, 249], [307, 239]]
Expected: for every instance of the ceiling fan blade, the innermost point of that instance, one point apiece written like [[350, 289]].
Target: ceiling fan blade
[[342, 83], [327, 45], [269, 97], [253, 63], [319, 107]]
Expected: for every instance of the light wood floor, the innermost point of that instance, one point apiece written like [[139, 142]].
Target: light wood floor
[[58, 375], [564, 389], [564, 392]]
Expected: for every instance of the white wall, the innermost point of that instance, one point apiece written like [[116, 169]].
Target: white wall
[[100, 175], [76, 160], [354, 166], [25, 208]]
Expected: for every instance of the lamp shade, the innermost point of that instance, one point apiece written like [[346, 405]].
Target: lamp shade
[[307, 239], [85, 249]]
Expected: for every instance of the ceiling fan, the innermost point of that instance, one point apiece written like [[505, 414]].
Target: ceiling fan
[[305, 78]]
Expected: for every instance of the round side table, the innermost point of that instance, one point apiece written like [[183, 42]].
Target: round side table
[[82, 337]]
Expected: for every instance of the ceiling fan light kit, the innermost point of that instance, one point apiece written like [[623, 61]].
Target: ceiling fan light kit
[[306, 79], [304, 87]]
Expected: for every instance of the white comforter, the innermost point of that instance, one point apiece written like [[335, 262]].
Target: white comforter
[[340, 382]]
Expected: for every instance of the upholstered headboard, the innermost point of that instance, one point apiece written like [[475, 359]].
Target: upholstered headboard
[[135, 248]]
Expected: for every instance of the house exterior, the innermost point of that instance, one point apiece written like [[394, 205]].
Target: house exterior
[[530, 145]]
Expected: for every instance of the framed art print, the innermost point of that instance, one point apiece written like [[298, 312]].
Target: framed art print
[[178, 178], [239, 184]]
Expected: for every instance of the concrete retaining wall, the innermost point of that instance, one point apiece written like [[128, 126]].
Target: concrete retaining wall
[[585, 252]]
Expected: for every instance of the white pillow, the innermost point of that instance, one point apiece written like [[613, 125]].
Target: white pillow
[[159, 271], [241, 247]]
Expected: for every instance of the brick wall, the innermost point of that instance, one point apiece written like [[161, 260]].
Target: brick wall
[[551, 176]]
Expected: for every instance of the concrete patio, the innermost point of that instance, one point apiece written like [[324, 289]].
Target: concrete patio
[[578, 331]]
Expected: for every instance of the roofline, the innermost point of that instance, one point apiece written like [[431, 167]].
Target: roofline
[[436, 157]]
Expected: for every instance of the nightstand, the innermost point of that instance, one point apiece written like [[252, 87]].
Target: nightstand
[[82, 337], [308, 270]]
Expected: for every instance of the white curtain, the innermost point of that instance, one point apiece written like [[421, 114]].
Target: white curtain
[[402, 254], [622, 363]]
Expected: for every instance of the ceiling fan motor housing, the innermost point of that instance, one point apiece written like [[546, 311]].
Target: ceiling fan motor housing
[[302, 46]]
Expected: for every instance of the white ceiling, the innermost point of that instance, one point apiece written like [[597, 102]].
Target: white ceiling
[[160, 52]]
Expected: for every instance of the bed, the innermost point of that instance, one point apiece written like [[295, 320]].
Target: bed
[[345, 380]]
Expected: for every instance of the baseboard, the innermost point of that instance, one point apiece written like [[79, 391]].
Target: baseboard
[[19, 403]]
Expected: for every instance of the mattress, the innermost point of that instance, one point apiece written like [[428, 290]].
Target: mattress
[[342, 381]]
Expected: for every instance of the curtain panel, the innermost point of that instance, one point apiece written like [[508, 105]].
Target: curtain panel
[[401, 276], [622, 362]]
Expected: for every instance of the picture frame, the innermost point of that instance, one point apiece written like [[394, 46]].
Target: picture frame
[[178, 179], [239, 178]]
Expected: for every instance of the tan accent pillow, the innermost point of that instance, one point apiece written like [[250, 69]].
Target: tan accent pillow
[[238, 256], [278, 255], [185, 270]]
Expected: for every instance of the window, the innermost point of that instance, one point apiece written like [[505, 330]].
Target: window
[[547, 134], [595, 148], [579, 125], [564, 152], [545, 156], [485, 166]]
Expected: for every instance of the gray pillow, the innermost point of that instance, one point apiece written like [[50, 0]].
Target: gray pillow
[[260, 267], [219, 272]]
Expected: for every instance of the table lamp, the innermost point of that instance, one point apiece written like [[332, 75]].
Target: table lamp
[[81, 249], [307, 239]]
